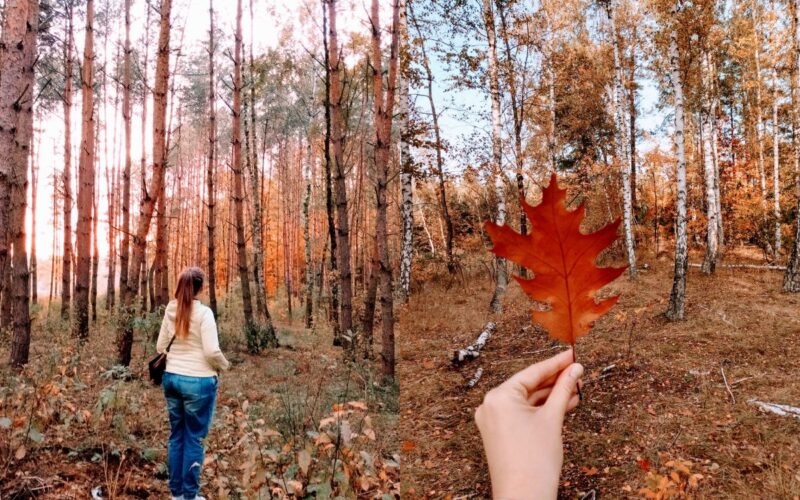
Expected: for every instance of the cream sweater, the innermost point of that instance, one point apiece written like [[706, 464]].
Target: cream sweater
[[199, 354]]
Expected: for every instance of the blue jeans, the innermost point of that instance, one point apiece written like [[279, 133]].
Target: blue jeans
[[190, 402]]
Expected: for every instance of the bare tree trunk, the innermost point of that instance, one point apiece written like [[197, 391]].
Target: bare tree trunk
[[95, 253], [147, 204], [340, 185], [791, 278], [406, 175], [238, 188], [497, 154], [384, 106], [66, 272], [776, 171], [86, 176], [759, 118], [34, 293], [17, 60], [677, 296], [329, 201], [308, 273], [632, 116], [706, 130], [441, 190], [211, 167], [621, 148], [125, 244]]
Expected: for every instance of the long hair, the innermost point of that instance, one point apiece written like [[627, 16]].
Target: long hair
[[189, 284]]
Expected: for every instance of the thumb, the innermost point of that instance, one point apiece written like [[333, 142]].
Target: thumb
[[564, 388]]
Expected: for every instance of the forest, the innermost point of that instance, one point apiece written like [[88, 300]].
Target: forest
[[679, 119], [252, 139]]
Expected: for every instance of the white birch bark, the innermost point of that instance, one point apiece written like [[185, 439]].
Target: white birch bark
[[706, 129], [501, 281], [677, 296], [406, 180], [622, 149]]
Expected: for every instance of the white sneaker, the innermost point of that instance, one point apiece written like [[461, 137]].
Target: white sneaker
[[178, 498]]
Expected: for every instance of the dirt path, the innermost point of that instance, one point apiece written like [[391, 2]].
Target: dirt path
[[661, 408]]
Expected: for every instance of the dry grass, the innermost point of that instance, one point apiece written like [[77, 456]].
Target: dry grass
[[664, 400]]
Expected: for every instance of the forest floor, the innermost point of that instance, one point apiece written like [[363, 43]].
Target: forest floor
[[289, 422], [656, 412]]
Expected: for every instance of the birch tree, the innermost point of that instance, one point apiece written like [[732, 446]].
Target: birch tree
[[501, 272]]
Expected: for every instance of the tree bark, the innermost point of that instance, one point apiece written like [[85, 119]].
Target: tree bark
[[501, 281], [238, 188], [211, 195], [17, 60], [147, 204], [86, 177], [706, 129], [125, 244], [406, 172], [383, 107], [308, 267], [441, 191], [66, 271], [339, 179], [776, 171], [791, 278], [329, 201], [677, 296], [621, 147], [34, 293], [759, 118]]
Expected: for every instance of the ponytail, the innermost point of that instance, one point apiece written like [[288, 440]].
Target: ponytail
[[189, 284]]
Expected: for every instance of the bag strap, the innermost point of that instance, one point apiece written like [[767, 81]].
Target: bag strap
[[170, 343]]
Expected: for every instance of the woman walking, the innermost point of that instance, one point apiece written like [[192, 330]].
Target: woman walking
[[189, 337]]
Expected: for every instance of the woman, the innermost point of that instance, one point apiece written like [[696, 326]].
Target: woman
[[521, 421], [189, 337]]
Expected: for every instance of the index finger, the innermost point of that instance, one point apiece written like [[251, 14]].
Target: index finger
[[532, 377]]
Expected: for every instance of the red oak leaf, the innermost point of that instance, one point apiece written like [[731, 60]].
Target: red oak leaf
[[563, 261]]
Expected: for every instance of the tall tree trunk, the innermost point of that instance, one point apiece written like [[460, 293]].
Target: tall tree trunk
[[632, 116], [329, 201], [147, 204], [517, 96], [86, 176], [791, 278], [383, 107], [95, 253], [308, 267], [17, 60], [406, 171], [238, 188], [34, 188], [621, 147], [501, 282], [252, 162], [677, 296], [759, 118], [125, 244], [776, 171], [706, 132], [339, 179], [66, 271], [211, 167], [441, 189]]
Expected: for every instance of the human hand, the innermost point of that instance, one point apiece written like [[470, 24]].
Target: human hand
[[520, 422]]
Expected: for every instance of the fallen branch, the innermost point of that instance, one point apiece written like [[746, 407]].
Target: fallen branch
[[782, 410], [725, 379], [772, 267], [475, 378], [474, 350]]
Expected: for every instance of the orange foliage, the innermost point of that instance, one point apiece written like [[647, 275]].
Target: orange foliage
[[563, 261]]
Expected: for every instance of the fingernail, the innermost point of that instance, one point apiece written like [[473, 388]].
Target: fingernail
[[576, 370]]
